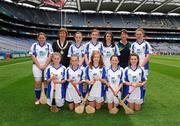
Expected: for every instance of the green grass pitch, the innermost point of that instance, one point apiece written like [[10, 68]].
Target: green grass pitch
[[161, 108]]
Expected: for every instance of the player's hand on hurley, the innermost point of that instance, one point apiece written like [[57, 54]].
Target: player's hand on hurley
[[135, 84], [107, 84], [42, 66], [70, 80], [92, 82], [97, 78], [140, 84], [54, 76], [75, 83], [55, 81]]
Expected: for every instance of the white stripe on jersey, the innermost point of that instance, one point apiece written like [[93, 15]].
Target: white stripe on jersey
[[79, 51], [75, 75], [141, 50], [134, 76], [114, 77], [98, 88], [90, 47], [108, 52], [60, 89], [41, 52]]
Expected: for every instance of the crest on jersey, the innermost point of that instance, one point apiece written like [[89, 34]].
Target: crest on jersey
[[79, 75], [113, 79], [100, 71], [138, 51], [108, 53], [46, 49], [134, 79], [94, 75], [73, 78]]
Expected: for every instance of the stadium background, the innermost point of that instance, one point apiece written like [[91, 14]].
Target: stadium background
[[21, 20], [20, 24]]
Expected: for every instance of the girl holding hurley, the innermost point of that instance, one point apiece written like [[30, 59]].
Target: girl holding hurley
[[134, 78], [55, 77], [74, 76], [41, 53], [114, 80], [95, 75]]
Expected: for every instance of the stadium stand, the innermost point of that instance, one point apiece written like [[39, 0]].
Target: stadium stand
[[19, 26], [74, 19], [8, 43]]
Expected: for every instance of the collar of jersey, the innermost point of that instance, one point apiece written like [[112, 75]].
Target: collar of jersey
[[109, 45], [122, 43], [114, 70], [96, 67], [73, 69], [132, 69], [140, 42], [93, 43], [55, 67], [41, 45], [77, 46]]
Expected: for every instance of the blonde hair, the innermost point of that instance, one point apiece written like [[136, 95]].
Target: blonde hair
[[56, 54], [41, 33], [140, 29]]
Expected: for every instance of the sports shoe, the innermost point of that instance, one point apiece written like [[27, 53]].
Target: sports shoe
[[37, 102]]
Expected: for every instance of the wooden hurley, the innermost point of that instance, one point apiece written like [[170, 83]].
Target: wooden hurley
[[43, 98]]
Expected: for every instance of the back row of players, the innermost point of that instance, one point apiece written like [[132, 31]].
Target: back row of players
[[93, 63]]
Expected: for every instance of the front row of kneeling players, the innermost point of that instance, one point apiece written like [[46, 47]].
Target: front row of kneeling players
[[105, 83]]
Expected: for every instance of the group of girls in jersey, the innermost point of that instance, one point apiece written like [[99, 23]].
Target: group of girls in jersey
[[94, 65]]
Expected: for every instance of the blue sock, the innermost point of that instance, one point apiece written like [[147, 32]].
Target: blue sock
[[45, 90], [38, 92], [144, 92]]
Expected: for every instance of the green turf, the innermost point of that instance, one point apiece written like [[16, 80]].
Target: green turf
[[12, 61], [161, 106]]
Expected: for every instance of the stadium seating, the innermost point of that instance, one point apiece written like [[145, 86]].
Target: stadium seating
[[76, 19], [8, 43], [166, 48], [25, 23]]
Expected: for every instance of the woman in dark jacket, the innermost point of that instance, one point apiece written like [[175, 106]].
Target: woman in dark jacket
[[62, 46]]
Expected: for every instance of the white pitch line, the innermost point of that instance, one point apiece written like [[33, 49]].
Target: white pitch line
[[165, 64], [14, 64]]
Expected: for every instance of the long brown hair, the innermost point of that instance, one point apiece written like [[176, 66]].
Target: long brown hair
[[112, 39], [100, 64]]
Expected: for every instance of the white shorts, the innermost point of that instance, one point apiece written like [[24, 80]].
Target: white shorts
[[58, 96], [96, 99], [72, 96], [136, 101], [38, 73], [146, 72], [110, 98], [59, 102]]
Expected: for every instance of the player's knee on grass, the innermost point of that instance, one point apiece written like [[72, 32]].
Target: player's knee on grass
[[92, 103], [110, 106], [137, 107], [98, 105], [131, 105]]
